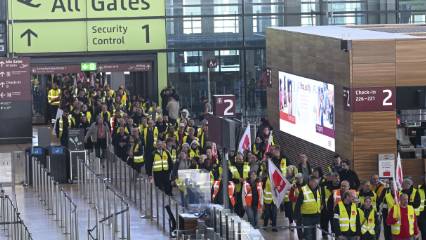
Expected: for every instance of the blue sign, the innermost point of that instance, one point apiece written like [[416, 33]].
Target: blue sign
[[37, 151], [57, 150]]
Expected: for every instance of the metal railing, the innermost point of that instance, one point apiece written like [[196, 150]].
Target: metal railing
[[141, 191], [55, 199], [154, 204], [11, 224], [111, 211]]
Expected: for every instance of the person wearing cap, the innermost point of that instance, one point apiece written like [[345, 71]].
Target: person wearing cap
[[161, 168], [413, 195], [308, 208], [403, 220], [63, 124]]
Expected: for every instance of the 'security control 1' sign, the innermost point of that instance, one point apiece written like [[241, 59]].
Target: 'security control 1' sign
[[90, 25]]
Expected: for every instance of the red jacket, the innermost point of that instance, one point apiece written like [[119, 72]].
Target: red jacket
[[405, 232]]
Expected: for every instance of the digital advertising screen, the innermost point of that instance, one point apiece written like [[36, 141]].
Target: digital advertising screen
[[307, 109]]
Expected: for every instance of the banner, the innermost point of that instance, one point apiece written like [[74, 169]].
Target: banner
[[279, 184]]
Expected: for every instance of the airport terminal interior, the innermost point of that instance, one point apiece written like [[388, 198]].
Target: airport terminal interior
[[212, 119]]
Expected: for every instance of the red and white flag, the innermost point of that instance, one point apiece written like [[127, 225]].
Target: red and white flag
[[279, 184], [399, 177], [245, 142]]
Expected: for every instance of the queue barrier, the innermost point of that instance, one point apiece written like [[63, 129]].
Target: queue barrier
[[110, 210], [155, 205], [11, 224], [55, 199]]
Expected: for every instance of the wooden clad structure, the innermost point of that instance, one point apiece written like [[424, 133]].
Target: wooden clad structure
[[348, 58]]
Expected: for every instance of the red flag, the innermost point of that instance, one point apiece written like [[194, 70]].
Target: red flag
[[399, 177], [245, 142], [279, 184]]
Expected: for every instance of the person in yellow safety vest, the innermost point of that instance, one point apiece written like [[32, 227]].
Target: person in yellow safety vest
[[240, 172], [332, 182], [85, 111], [216, 176], [54, 99], [63, 124], [403, 220], [346, 220], [422, 217], [135, 153], [194, 150], [364, 192], [377, 187], [106, 115], [252, 198], [269, 208], [171, 147], [388, 201], [255, 147], [203, 133], [277, 158], [369, 220], [161, 168], [308, 208], [411, 191], [336, 197]]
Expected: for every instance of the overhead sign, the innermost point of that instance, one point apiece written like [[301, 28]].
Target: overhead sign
[[88, 25], [88, 67], [123, 35], [48, 37], [81, 36], [224, 105], [84, 9], [370, 99]]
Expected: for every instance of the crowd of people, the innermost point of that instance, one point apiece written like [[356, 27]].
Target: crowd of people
[[161, 139]]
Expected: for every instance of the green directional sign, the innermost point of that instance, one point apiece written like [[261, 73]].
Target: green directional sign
[[126, 35], [88, 66], [84, 9], [49, 37]]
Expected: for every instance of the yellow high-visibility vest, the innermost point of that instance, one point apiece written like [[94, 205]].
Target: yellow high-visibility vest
[[137, 158], [155, 133], [347, 221], [160, 161], [367, 224], [267, 193], [283, 166], [422, 199], [53, 97], [310, 205], [71, 123], [396, 228]]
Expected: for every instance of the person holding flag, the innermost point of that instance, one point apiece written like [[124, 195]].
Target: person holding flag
[[276, 186], [308, 208], [388, 199], [403, 220]]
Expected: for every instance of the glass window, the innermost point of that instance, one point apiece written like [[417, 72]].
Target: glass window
[[228, 22]]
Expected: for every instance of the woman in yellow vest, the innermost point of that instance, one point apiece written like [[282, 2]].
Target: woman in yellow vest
[[135, 154], [369, 220], [403, 220]]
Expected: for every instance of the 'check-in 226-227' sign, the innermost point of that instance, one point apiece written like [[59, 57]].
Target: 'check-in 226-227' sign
[[43, 26]]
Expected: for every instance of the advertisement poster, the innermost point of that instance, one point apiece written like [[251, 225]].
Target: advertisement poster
[[307, 109]]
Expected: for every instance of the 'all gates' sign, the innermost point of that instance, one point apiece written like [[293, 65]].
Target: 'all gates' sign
[[88, 26]]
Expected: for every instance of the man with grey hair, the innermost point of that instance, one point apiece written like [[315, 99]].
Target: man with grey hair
[[413, 195]]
